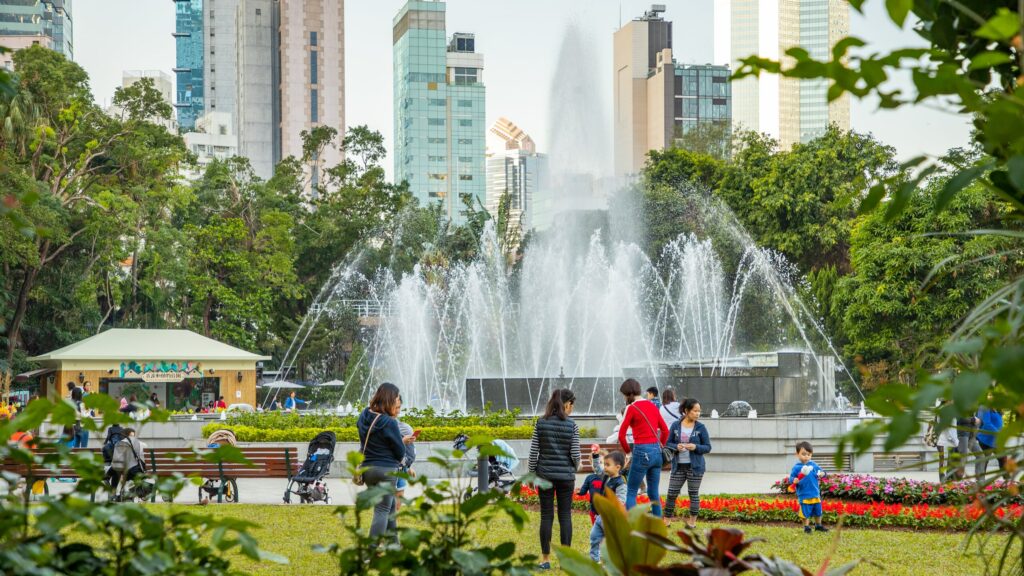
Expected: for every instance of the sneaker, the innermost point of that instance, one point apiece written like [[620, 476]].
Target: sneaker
[[544, 566], [820, 528], [807, 529]]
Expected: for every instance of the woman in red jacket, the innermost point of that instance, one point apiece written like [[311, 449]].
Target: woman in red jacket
[[649, 434]]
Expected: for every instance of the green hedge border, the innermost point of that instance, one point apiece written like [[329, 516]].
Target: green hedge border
[[427, 434]]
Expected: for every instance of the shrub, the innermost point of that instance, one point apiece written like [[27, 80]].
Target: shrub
[[865, 488], [417, 418], [351, 434]]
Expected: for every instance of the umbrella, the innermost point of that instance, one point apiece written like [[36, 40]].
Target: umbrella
[[283, 384], [332, 384]]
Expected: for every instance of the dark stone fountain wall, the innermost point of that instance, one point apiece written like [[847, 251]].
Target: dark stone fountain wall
[[791, 387]]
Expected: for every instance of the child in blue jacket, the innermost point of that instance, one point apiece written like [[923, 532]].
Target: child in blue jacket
[[803, 479]]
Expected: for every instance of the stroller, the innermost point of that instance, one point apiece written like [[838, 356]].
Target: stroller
[[500, 475], [211, 486], [126, 474], [311, 477]]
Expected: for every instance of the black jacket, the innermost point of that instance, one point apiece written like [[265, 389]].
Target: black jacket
[[385, 447], [555, 449]]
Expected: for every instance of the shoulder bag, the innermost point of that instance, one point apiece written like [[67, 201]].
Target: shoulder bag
[[358, 479], [667, 453]]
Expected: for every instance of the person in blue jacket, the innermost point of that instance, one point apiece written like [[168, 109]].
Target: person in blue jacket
[[803, 479], [384, 451], [990, 423], [691, 441]]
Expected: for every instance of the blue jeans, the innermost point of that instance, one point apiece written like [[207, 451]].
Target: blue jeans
[[646, 464], [596, 536], [82, 439]]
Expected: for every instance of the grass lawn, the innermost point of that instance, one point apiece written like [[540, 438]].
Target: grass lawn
[[292, 530]]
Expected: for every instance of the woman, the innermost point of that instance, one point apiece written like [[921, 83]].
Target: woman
[[669, 407], [692, 440], [649, 434], [384, 450], [555, 457]]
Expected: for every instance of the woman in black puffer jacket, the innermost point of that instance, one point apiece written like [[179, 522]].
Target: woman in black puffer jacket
[[555, 457]]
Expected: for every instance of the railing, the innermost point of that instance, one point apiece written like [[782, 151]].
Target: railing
[[362, 308]]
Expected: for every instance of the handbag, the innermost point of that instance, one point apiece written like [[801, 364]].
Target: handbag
[[667, 454], [357, 478]]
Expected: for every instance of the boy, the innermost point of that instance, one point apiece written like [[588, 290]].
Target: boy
[[609, 468], [803, 479]]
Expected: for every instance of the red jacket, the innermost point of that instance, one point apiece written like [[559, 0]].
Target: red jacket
[[643, 433]]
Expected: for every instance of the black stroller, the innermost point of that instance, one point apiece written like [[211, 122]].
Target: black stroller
[[500, 475], [311, 477]]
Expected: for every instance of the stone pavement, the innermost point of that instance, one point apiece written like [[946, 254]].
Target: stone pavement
[[271, 490]]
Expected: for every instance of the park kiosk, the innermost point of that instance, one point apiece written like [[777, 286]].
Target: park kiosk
[[184, 369]]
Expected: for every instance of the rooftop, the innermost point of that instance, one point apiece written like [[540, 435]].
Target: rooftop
[[146, 344]]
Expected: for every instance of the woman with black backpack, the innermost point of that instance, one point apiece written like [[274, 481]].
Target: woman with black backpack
[[555, 457]]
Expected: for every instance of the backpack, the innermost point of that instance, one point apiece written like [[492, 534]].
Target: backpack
[[592, 485], [113, 437]]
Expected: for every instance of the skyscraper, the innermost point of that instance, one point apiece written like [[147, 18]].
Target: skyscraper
[[258, 110], [656, 98], [517, 171], [27, 22], [312, 76], [188, 35], [791, 110], [439, 109]]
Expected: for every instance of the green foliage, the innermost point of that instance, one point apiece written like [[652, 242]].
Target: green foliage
[[70, 535], [438, 531], [414, 417], [351, 434]]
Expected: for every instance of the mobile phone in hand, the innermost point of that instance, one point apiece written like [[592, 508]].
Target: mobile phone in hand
[[416, 434]]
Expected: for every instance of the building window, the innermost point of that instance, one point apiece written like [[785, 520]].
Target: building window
[[312, 67], [436, 140], [435, 176], [259, 12], [436, 158], [435, 121], [314, 112], [465, 176], [312, 38], [465, 75], [437, 101], [223, 130], [465, 140], [465, 122], [465, 103], [465, 44], [466, 159]]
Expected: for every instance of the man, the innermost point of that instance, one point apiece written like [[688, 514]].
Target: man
[[291, 402], [75, 393], [990, 422], [652, 395]]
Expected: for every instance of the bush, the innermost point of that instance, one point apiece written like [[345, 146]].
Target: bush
[[425, 418], [351, 434]]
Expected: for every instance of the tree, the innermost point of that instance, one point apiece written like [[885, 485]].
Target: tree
[[895, 313]]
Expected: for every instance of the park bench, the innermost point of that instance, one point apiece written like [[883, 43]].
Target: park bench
[[43, 473], [264, 462]]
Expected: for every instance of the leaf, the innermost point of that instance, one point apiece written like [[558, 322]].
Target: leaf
[[1001, 27], [956, 184], [471, 561], [989, 59], [871, 201], [901, 427], [1015, 171], [616, 530], [968, 389], [898, 10], [577, 563]]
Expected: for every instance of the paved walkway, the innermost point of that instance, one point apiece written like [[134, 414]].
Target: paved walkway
[[271, 490]]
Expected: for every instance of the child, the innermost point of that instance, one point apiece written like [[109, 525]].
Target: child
[[803, 479], [410, 457], [610, 480]]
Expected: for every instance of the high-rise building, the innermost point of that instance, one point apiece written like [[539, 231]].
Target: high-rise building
[[439, 104], [38, 19], [312, 77], [790, 110], [276, 68], [190, 58], [214, 138], [517, 171], [258, 111], [656, 98]]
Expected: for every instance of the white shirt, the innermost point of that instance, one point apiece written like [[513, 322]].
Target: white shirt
[[670, 412]]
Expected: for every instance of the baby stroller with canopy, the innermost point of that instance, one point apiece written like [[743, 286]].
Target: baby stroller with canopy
[[211, 486], [312, 486], [127, 472], [500, 475]]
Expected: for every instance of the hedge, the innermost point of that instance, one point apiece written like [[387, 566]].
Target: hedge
[[417, 418], [351, 434]]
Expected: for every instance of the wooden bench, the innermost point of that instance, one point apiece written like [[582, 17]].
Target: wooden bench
[[264, 462], [44, 472]]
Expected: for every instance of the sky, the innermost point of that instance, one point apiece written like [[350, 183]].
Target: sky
[[520, 40]]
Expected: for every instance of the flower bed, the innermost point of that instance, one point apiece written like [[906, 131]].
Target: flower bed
[[856, 514], [864, 488]]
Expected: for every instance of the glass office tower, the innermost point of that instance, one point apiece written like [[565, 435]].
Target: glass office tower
[[439, 109], [188, 35]]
